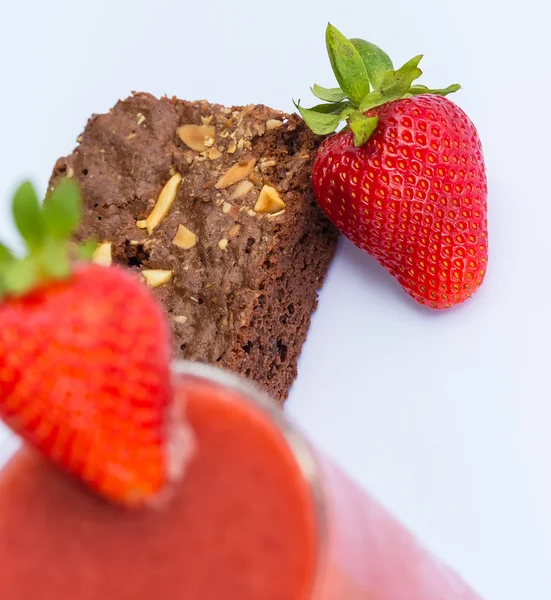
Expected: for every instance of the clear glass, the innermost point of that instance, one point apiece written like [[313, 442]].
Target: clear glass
[[363, 553]]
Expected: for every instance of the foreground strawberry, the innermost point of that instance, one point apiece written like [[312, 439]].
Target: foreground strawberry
[[84, 357], [405, 180]]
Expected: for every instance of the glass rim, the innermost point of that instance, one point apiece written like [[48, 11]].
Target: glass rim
[[299, 446]]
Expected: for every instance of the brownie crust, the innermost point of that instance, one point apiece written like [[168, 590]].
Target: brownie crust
[[242, 296]]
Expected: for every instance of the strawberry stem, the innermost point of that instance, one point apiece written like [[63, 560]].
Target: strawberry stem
[[47, 230], [367, 79]]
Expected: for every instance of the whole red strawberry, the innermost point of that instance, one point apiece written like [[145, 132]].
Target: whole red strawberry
[[405, 180], [84, 358]]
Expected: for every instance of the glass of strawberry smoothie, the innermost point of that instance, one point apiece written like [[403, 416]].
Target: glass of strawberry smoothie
[[258, 515]]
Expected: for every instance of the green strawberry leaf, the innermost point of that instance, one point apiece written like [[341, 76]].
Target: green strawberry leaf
[[19, 276], [54, 258], [402, 79], [367, 79], [62, 211], [377, 62], [328, 94], [362, 127], [5, 255], [416, 90], [394, 85], [324, 118], [47, 231], [347, 64], [86, 250], [28, 217]]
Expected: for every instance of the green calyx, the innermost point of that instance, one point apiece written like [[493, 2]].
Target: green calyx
[[47, 230], [367, 79]]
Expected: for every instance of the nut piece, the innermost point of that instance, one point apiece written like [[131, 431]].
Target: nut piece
[[273, 124], [164, 202], [242, 189], [179, 319], [184, 238], [223, 244], [141, 118], [256, 179], [156, 277], [141, 224], [251, 212], [197, 137], [269, 201], [233, 231], [214, 153], [236, 173], [102, 254], [266, 163], [230, 209], [70, 172]]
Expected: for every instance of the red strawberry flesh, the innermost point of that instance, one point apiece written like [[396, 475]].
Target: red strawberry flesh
[[413, 196], [405, 179], [84, 377]]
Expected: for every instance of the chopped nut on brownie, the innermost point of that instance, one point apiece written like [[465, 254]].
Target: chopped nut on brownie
[[102, 254]]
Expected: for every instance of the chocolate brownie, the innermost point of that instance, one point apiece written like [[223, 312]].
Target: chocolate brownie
[[214, 207]]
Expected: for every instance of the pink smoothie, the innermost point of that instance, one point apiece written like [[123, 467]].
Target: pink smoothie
[[259, 515], [240, 526]]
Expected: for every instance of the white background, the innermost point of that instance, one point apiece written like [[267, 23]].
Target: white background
[[444, 417]]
